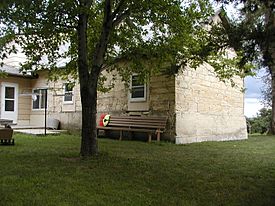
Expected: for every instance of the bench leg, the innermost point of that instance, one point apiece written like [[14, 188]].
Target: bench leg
[[120, 135], [131, 135], [158, 136], [149, 137]]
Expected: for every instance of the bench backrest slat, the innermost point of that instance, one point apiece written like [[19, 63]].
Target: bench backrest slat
[[139, 118], [136, 125], [138, 122]]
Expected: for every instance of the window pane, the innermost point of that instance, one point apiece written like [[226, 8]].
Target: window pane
[[43, 98], [36, 102], [68, 92], [135, 81], [138, 92], [40, 101], [9, 92], [68, 97], [9, 105]]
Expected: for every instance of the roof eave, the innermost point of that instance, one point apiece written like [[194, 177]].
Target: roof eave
[[25, 76]]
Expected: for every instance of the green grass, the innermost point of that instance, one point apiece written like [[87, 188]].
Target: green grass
[[48, 171]]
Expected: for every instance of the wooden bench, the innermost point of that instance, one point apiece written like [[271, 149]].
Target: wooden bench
[[149, 125], [6, 136]]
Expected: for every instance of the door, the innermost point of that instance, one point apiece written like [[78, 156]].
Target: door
[[9, 101]]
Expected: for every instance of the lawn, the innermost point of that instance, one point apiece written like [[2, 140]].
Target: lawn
[[48, 171]]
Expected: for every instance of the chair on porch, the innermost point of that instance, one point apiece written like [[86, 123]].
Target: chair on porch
[[6, 136]]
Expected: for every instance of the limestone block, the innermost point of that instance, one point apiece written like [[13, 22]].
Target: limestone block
[[193, 107], [203, 108], [204, 127]]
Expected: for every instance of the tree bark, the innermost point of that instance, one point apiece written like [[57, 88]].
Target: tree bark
[[88, 88], [272, 129], [269, 54], [88, 80], [89, 113]]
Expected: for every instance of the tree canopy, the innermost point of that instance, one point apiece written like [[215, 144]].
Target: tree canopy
[[151, 36], [253, 34], [136, 30], [260, 123]]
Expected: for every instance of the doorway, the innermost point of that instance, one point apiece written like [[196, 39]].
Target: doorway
[[9, 101]]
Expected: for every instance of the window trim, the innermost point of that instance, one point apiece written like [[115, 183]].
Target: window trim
[[64, 92], [46, 105], [138, 99]]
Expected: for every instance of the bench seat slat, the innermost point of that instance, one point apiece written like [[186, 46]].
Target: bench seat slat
[[137, 123], [135, 120], [126, 129], [133, 125]]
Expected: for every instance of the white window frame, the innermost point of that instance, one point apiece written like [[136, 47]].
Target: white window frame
[[40, 94], [137, 99], [69, 92]]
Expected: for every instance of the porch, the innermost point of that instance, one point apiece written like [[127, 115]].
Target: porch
[[34, 130]]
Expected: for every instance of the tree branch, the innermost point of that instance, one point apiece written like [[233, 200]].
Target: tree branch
[[118, 9], [121, 17], [65, 26], [101, 46], [107, 11]]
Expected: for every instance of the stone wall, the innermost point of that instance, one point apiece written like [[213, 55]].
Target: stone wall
[[199, 107], [68, 113], [208, 109], [115, 101], [160, 101]]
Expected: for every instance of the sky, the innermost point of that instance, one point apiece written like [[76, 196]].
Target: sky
[[253, 87]]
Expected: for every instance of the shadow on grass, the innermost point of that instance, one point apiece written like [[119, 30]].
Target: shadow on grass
[[49, 171]]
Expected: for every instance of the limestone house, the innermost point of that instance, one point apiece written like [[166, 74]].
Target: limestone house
[[199, 107]]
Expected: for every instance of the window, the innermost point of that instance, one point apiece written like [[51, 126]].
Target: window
[[68, 93], [39, 100], [138, 89], [9, 98]]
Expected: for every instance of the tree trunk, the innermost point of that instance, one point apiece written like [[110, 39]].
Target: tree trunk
[[88, 88], [89, 113], [271, 67], [88, 80], [272, 129], [269, 54]]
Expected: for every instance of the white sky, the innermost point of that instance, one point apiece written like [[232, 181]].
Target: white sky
[[252, 106], [253, 87]]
